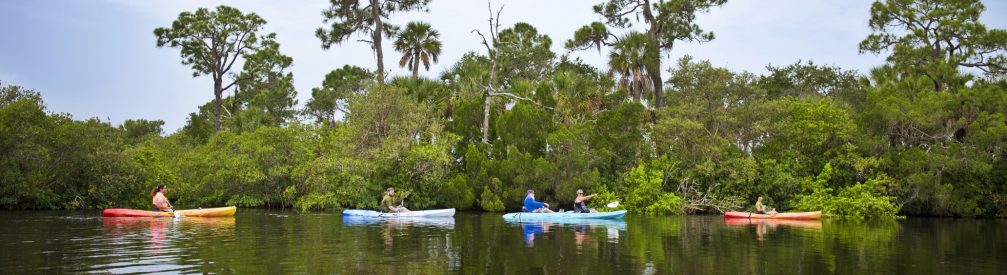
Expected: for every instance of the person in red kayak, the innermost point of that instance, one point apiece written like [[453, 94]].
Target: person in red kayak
[[762, 209], [160, 201]]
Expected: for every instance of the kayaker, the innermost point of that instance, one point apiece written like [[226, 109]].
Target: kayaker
[[580, 203], [762, 209], [531, 205], [389, 202], [159, 200]]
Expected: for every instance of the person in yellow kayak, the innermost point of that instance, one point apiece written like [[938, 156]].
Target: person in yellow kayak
[[388, 202], [762, 209], [159, 200]]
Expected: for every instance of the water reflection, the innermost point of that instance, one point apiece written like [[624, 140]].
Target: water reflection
[[581, 230], [155, 243], [285, 242], [765, 226], [439, 222]]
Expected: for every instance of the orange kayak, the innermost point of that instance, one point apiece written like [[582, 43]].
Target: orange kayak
[[208, 212], [779, 216]]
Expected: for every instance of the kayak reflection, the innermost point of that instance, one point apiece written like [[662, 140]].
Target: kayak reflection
[[156, 228], [581, 228], [435, 222], [763, 226]]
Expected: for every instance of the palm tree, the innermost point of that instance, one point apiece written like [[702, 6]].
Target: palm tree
[[630, 59], [418, 43]]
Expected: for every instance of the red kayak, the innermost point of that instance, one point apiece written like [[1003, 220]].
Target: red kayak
[[779, 216], [209, 212]]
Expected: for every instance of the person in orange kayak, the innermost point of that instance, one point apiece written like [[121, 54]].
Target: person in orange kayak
[[762, 209], [160, 201]]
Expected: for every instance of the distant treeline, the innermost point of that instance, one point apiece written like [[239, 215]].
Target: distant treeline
[[923, 134]]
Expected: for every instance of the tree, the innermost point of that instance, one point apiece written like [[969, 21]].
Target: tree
[[494, 49], [630, 58], [337, 87], [418, 43], [212, 41], [524, 53], [365, 17], [265, 94], [934, 38], [809, 80], [138, 129], [668, 21]]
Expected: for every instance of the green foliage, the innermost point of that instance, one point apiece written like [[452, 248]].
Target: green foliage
[[859, 201], [364, 18], [137, 130], [211, 42], [917, 136], [315, 201], [646, 194], [523, 53], [910, 29], [419, 44], [338, 86]]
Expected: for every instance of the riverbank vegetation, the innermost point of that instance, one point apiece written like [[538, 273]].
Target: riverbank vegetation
[[923, 134]]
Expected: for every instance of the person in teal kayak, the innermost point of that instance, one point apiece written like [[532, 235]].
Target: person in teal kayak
[[762, 209], [580, 203], [160, 201], [388, 202], [531, 205]]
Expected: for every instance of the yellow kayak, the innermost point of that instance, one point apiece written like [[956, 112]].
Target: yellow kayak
[[207, 212]]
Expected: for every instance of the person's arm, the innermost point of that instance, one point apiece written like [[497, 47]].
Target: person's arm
[[532, 204]]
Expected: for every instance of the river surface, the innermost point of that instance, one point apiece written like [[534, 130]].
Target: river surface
[[280, 242]]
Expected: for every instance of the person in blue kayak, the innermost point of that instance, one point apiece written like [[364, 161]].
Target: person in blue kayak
[[531, 205], [580, 203], [388, 202]]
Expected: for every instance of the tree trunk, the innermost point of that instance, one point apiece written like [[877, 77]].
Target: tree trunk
[[655, 45], [218, 92], [378, 29], [486, 118], [416, 65]]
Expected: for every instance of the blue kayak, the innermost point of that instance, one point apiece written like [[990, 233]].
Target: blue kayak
[[528, 216]]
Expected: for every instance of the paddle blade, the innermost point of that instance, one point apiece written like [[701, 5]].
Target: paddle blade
[[613, 204]]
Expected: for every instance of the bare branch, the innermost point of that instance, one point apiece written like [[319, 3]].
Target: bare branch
[[517, 97]]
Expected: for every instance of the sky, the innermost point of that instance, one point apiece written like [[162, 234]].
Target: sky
[[100, 59]]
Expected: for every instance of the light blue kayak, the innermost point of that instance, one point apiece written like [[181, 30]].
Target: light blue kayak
[[527, 216], [418, 213]]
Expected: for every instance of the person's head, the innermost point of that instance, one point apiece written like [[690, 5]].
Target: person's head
[[160, 188], [390, 190], [580, 192], [531, 193], [760, 198]]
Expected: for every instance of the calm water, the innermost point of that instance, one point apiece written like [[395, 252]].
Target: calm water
[[273, 242]]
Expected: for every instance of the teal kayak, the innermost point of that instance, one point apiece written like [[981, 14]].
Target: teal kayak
[[528, 216]]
